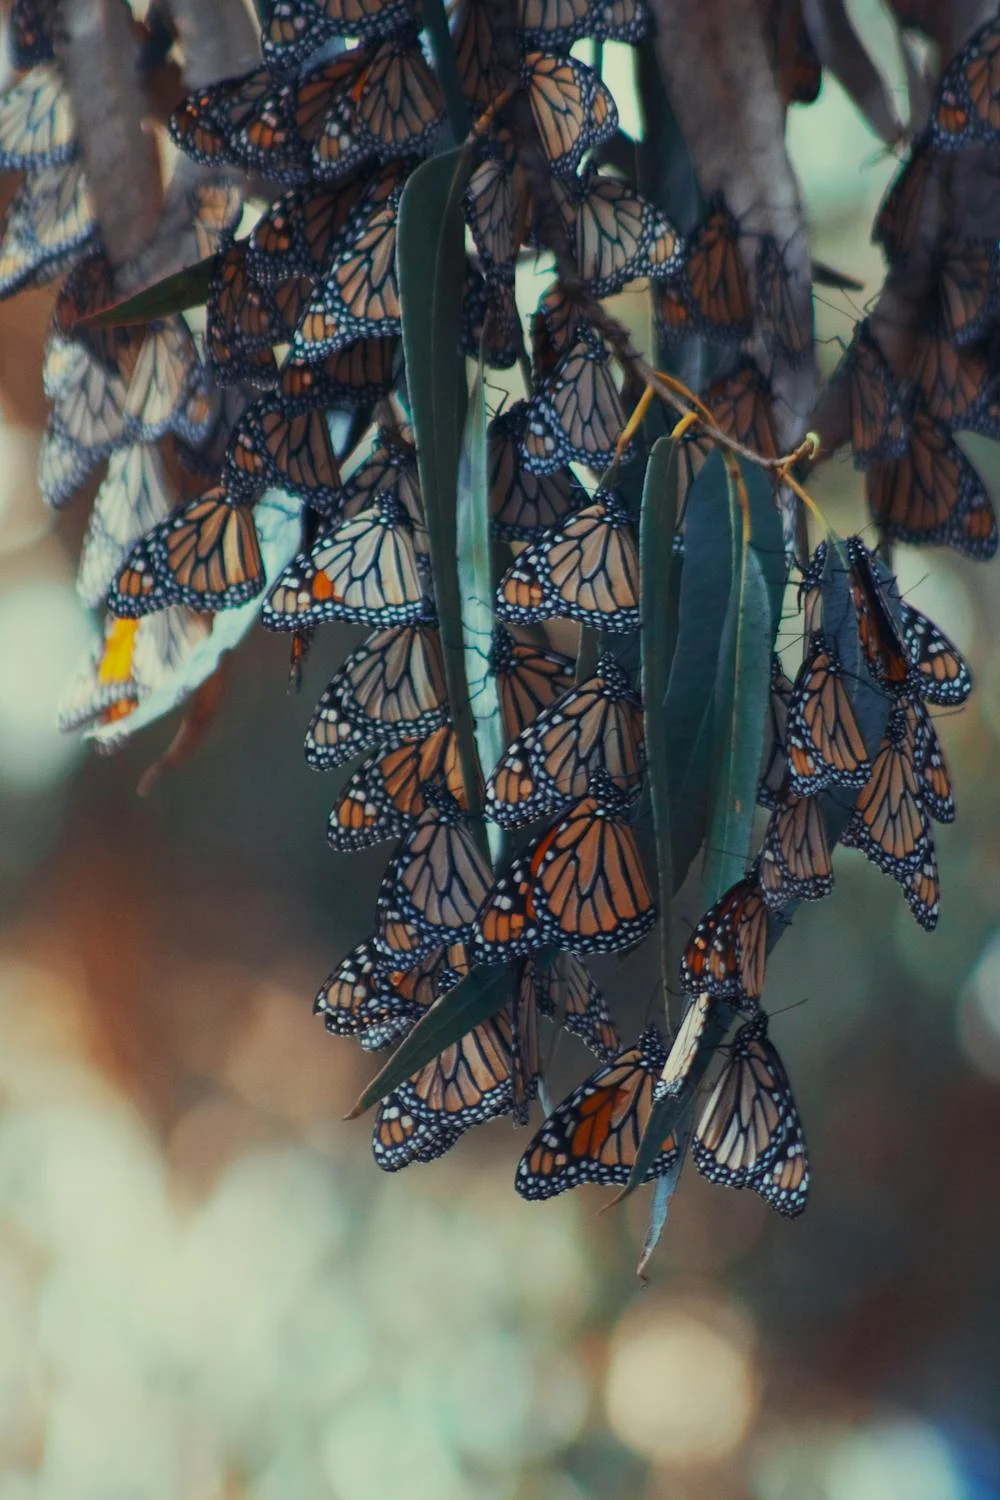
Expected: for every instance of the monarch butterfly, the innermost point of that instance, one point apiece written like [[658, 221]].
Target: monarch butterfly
[[876, 601], [166, 375], [390, 689], [105, 690], [967, 289], [381, 100], [686, 1046], [741, 406], [576, 413], [528, 679], [727, 953], [523, 504], [750, 1134], [795, 860], [248, 121], [50, 220], [29, 35], [557, 27], [876, 404], [386, 792], [364, 570], [62, 466], [967, 105], [301, 233], [326, 115], [616, 235], [134, 659], [572, 109], [922, 890], [932, 493], [469, 1083], [568, 995], [709, 295], [943, 677], [368, 999], [786, 327], [88, 394], [594, 730], [771, 784], [823, 742], [288, 448], [206, 555], [935, 783], [37, 128], [594, 1134], [359, 297], [297, 28], [354, 377], [955, 382], [138, 492], [889, 823], [476, 53], [907, 218], [555, 328], [588, 570], [242, 322], [580, 887], [391, 467], [434, 886], [491, 324], [494, 205]]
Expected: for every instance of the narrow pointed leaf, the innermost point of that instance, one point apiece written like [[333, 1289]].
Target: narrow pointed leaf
[[184, 289], [430, 255], [657, 572], [663, 1193], [705, 586], [742, 685]]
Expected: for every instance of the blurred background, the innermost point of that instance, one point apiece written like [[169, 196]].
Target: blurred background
[[209, 1292]]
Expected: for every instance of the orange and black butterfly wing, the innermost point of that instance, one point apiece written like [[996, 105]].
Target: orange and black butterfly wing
[[568, 995], [359, 999], [943, 676], [966, 108], [750, 1135], [795, 856], [594, 1134], [890, 823], [433, 889], [727, 952], [206, 555], [824, 743], [590, 893], [775, 765]]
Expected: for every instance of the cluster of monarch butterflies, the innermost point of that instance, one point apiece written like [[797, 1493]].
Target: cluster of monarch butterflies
[[301, 386]]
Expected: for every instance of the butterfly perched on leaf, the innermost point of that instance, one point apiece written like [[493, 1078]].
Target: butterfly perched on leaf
[[390, 690], [572, 109], [528, 678], [581, 887], [823, 743], [795, 862], [523, 504], [749, 1134], [588, 570], [377, 1002], [594, 730], [576, 414], [206, 555], [568, 995], [363, 570], [434, 886], [594, 1134], [708, 292], [385, 795], [616, 235], [727, 952], [470, 1082]]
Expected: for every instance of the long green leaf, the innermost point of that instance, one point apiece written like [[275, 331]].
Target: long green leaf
[[742, 686], [174, 294], [657, 524], [430, 254], [475, 582], [766, 537], [480, 995], [705, 586]]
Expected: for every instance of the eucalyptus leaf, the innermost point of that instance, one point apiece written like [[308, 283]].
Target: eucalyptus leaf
[[705, 586], [657, 525], [184, 289]]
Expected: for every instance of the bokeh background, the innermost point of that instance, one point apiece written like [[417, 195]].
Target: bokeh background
[[208, 1291]]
